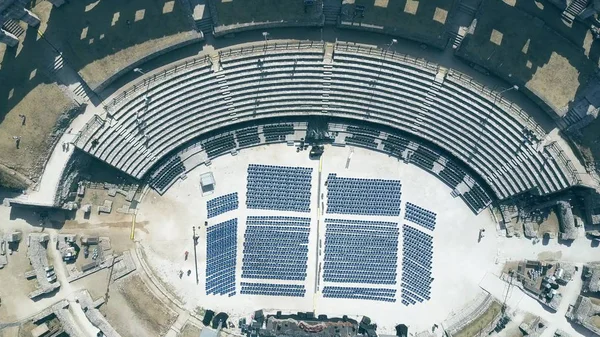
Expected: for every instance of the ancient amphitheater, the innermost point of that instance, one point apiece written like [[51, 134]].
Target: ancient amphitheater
[[299, 168]]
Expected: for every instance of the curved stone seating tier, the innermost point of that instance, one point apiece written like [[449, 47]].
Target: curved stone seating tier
[[194, 153], [559, 177], [171, 168], [475, 197], [502, 121], [253, 83]]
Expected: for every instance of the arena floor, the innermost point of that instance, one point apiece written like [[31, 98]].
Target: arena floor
[[459, 263]]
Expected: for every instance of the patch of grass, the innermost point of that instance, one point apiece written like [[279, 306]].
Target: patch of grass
[[190, 330], [245, 11], [22, 69], [528, 53], [149, 308], [43, 108], [28, 88], [481, 323]]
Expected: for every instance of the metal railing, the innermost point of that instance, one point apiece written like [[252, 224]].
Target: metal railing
[[141, 87], [88, 130], [264, 47], [499, 101], [258, 47], [559, 155], [386, 54]]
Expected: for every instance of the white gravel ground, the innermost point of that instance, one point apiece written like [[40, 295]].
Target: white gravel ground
[[459, 263]]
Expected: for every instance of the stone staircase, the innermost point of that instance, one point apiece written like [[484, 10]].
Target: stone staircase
[[58, 64], [463, 7], [457, 37], [574, 9], [13, 27], [331, 10], [328, 53], [205, 25]]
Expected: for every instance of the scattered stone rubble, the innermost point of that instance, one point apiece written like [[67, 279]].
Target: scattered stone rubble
[[564, 272], [7, 243], [122, 265], [533, 328], [582, 312], [61, 311], [566, 221], [530, 230], [90, 308], [65, 244], [592, 208], [591, 277], [37, 254], [560, 333], [106, 207]]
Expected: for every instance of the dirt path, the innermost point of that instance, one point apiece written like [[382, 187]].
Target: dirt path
[[149, 279]]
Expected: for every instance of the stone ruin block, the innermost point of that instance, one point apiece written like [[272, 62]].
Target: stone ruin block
[[106, 207]]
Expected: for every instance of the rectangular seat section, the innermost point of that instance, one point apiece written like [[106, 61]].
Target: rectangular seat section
[[360, 251], [221, 251], [416, 265], [222, 204], [279, 188], [276, 248], [363, 196]]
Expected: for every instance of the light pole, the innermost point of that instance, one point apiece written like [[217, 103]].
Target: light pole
[[266, 36], [146, 100], [195, 241], [141, 72], [393, 42], [514, 87]]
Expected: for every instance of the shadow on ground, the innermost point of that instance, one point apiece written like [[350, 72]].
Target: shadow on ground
[[41, 217], [88, 31], [530, 46]]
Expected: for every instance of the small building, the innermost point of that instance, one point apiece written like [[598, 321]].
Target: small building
[[207, 183]]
